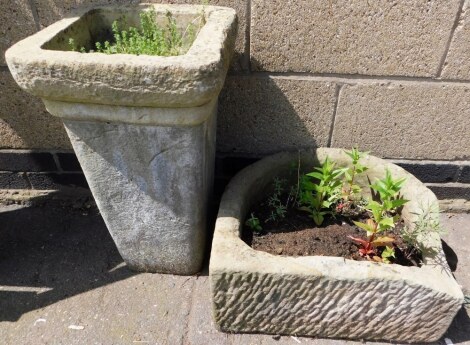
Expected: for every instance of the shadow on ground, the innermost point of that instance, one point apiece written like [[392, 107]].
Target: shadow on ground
[[51, 252]]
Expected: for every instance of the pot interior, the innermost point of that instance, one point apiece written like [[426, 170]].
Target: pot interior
[[96, 25]]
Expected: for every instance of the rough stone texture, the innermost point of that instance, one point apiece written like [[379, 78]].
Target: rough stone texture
[[50, 11], [405, 120], [16, 23], [457, 64], [188, 80], [150, 164], [326, 296], [366, 37], [152, 185], [24, 123], [266, 115]]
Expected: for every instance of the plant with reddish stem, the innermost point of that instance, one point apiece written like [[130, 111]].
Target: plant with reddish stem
[[384, 215], [351, 203], [350, 188]]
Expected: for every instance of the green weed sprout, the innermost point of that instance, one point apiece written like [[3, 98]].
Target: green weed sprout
[[383, 216], [318, 197], [150, 38]]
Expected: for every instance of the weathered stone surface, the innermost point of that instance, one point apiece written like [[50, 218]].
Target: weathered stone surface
[[457, 64], [24, 123], [42, 65], [149, 164], [255, 291], [151, 184], [50, 11], [266, 115], [405, 120], [366, 37], [16, 23]]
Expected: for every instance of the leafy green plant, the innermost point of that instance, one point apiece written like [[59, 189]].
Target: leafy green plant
[[383, 216], [254, 223], [321, 189], [388, 191], [150, 38], [352, 203], [350, 188], [387, 254], [374, 226]]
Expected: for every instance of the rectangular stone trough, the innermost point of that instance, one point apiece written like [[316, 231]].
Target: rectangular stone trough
[[254, 291], [143, 127]]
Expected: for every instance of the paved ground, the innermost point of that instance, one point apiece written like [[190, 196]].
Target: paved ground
[[62, 281]]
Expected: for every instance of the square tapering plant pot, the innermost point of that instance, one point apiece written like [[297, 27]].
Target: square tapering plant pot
[[254, 291], [143, 127]]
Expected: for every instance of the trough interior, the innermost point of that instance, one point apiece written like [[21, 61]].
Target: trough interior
[[95, 25]]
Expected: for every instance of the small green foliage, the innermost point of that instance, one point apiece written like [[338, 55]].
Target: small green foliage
[[278, 208], [427, 223], [383, 215], [388, 190], [387, 254], [150, 38], [350, 189], [72, 44], [254, 223], [321, 189]]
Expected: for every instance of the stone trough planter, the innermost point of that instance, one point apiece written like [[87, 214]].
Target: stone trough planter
[[143, 127], [254, 291]]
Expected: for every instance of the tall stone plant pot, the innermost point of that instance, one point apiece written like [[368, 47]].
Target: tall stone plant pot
[[320, 296], [143, 127]]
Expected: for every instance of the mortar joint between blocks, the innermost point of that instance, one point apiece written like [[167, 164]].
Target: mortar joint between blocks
[[26, 178], [57, 162], [457, 19], [248, 36], [458, 174], [34, 11], [338, 88]]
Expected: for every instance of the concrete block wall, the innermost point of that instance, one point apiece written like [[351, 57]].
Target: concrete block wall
[[392, 77]]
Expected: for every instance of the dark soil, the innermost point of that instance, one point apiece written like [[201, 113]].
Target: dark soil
[[298, 235]]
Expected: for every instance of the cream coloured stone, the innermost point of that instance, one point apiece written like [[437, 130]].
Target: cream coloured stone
[[457, 64], [405, 120], [143, 127], [152, 184], [267, 115], [50, 11], [254, 291], [378, 37], [40, 65]]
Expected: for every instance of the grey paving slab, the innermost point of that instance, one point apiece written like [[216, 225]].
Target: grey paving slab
[[62, 281]]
